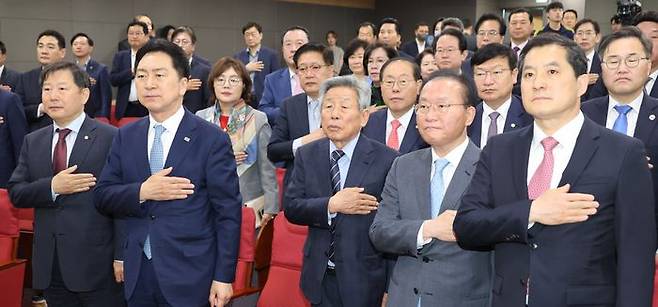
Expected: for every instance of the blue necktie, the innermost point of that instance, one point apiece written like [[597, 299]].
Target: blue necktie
[[156, 162], [335, 185], [437, 188], [621, 123]]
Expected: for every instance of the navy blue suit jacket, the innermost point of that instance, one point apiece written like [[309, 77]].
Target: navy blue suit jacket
[[29, 89], [597, 89], [276, 90], [121, 76], [10, 77], [607, 260], [198, 99], [375, 129], [12, 131], [201, 60], [516, 118], [271, 63], [194, 240], [411, 48], [360, 269], [100, 98], [654, 90]]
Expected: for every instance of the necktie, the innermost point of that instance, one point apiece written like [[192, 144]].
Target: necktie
[[621, 123], [335, 184], [393, 141], [516, 50], [541, 179], [493, 125], [297, 86], [156, 161], [437, 188], [59, 155]]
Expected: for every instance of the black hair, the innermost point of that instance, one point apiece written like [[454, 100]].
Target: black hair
[[390, 53], [467, 90], [145, 28], [414, 67], [89, 40], [80, 77], [625, 32], [455, 33], [327, 53], [554, 5], [61, 41], [250, 25], [421, 24], [520, 11], [452, 22], [390, 20], [575, 56], [570, 11], [294, 28], [184, 29], [436, 22], [164, 31], [3, 49], [583, 21], [651, 16], [367, 24], [491, 51], [488, 16], [177, 55]]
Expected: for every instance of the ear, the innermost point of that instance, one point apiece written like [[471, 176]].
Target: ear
[[582, 82], [365, 115], [419, 85], [470, 115], [464, 55], [85, 94], [515, 75], [182, 86]]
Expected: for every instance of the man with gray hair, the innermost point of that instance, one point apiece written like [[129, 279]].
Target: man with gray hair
[[334, 190]]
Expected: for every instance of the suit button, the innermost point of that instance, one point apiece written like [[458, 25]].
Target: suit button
[[425, 259], [415, 290], [153, 217]]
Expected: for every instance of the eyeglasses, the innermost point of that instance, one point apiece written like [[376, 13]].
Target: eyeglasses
[[488, 33], [402, 83], [585, 33], [232, 82], [445, 50], [424, 108], [631, 61], [314, 68], [182, 42], [495, 74]]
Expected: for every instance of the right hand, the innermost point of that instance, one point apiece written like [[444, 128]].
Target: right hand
[[65, 182], [592, 78], [352, 201], [558, 206], [255, 66], [118, 271], [313, 136], [161, 187], [5, 88], [193, 84], [440, 227], [240, 157]]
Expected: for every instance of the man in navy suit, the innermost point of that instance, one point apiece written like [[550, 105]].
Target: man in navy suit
[[335, 187], [51, 48], [299, 122], [389, 35], [100, 98], [73, 243], [122, 75], [197, 96], [395, 126], [566, 204], [173, 177], [284, 82], [495, 74], [588, 35], [647, 22], [13, 128], [627, 109], [259, 60], [8, 77], [419, 43]]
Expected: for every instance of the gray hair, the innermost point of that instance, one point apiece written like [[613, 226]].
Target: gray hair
[[452, 22], [361, 87]]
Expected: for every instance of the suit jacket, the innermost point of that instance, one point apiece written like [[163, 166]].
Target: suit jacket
[[201, 60], [360, 269], [198, 99], [82, 237], [10, 77], [654, 90], [441, 273], [516, 118], [607, 260], [375, 129], [100, 100], [193, 240], [12, 131], [121, 76], [271, 63], [276, 90], [597, 89], [29, 90], [411, 48]]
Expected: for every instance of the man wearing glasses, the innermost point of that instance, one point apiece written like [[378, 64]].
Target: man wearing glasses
[[197, 96], [588, 35]]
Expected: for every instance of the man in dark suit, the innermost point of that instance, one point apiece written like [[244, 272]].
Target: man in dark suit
[[125, 45], [489, 29], [8, 77], [566, 204], [284, 82], [299, 122], [197, 96], [173, 177], [51, 48], [73, 243], [13, 128], [389, 35], [450, 53], [627, 109], [647, 22], [520, 32], [395, 125], [588, 35], [100, 98], [419, 43], [259, 60], [334, 191], [495, 74], [122, 75]]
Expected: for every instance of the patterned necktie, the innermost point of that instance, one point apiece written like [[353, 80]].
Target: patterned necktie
[[335, 184], [493, 125], [541, 179], [59, 155], [621, 123], [156, 162], [437, 187], [516, 50], [393, 140]]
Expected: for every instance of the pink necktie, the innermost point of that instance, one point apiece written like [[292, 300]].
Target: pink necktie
[[541, 180], [393, 141], [297, 87]]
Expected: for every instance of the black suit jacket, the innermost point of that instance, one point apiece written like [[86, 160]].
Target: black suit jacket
[[29, 89], [607, 260], [198, 99], [100, 98], [82, 237], [360, 269], [375, 129], [597, 89], [516, 118], [12, 131], [411, 48], [10, 77], [654, 90]]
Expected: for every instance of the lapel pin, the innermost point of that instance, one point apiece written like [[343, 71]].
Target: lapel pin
[[86, 137], [513, 125], [186, 139], [652, 117]]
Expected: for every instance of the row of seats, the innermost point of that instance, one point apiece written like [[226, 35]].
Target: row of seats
[[12, 269]]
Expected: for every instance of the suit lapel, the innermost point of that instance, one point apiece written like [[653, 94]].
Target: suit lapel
[[83, 142], [596, 64], [646, 120], [411, 135], [461, 178], [285, 75], [300, 106], [514, 115], [520, 152], [421, 173], [183, 140], [475, 129], [45, 146], [599, 112], [586, 146], [361, 159], [140, 142]]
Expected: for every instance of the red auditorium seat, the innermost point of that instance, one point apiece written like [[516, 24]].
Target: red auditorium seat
[[12, 270], [282, 286], [280, 173], [127, 120], [104, 120], [247, 252], [655, 285]]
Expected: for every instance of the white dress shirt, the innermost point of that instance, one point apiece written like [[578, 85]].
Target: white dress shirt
[[133, 89], [404, 123], [74, 126], [631, 116], [313, 109], [590, 58], [167, 138], [2, 68], [420, 46], [293, 81], [500, 121], [651, 82]]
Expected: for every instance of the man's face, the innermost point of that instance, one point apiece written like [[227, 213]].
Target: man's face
[[625, 80], [421, 33], [252, 37], [650, 30], [520, 27], [586, 37], [447, 53], [3, 58], [312, 71], [388, 35], [366, 34], [555, 15], [549, 87], [48, 51], [148, 23], [136, 37], [488, 33], [569, 20], [62, 99], [443, 127], [184, 40], [159, 88], [399, 89], [292, 40], [81, 47], [494, 80], [341, 117]]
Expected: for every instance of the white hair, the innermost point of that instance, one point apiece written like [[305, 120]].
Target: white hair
[[361, 87]]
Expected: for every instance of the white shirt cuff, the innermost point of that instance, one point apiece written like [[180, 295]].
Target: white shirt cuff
[[420, 241], [296, 143]]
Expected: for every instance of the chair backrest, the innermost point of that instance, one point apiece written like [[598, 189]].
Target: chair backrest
[[264, 252], [280, 174], [288, 243], [247, 250], [103, 120], [9, 230]]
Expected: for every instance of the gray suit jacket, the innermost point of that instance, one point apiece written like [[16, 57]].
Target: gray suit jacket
[[440, 272]]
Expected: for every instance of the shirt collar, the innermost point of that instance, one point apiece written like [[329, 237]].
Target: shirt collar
[[292, 73], [590, 56], [83, 64], [454, 156], [654, 75], [256, 53], [502, 110], [348, 149], [565, 136], [309, 100], [635, 104], [170, 124], [189, 62], [75, 125], [521, 45], [404, 119]]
